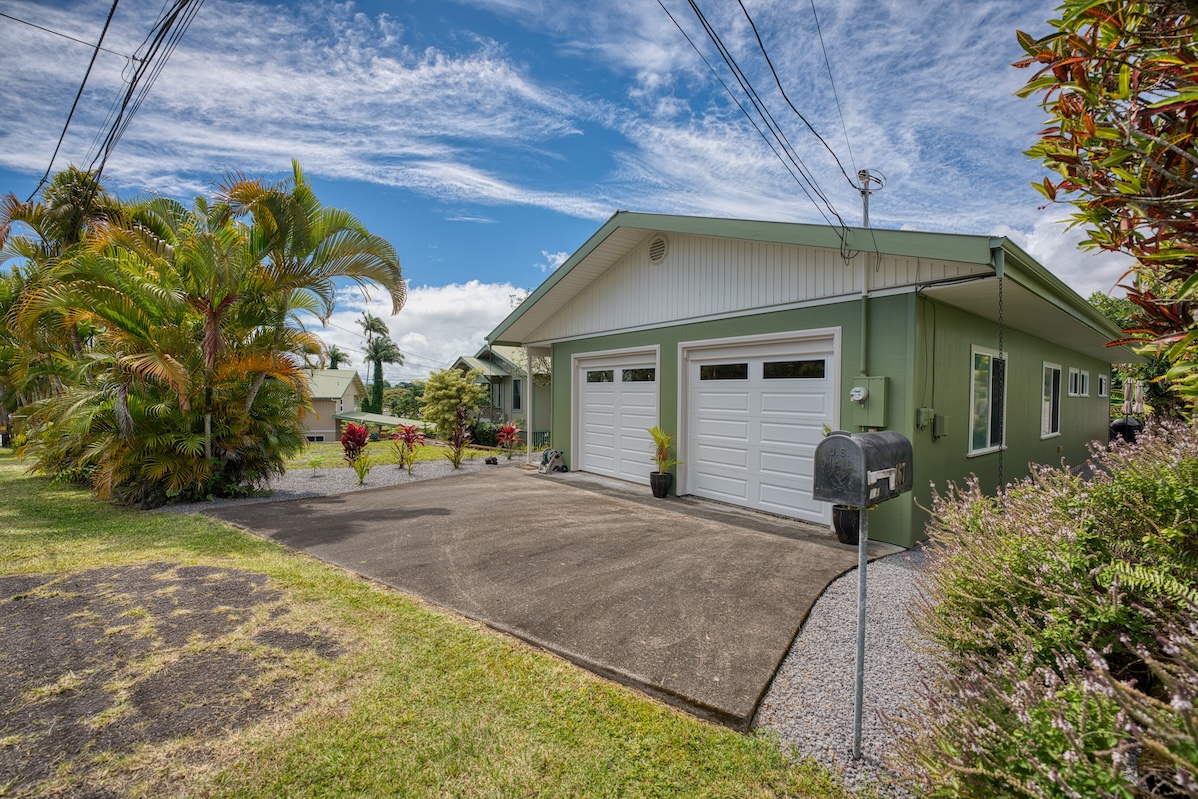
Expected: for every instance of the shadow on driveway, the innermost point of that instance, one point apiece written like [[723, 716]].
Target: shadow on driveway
[[690, 601]]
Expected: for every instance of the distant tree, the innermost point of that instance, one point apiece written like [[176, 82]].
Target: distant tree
[[408, 405], [372, 325], [379, 351], [1119, 83], [1158, 392], [337, 356], [448, 390]]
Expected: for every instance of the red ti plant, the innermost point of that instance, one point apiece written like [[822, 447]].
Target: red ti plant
[[405, 440], [459, 436], [354, 441], [509, 438]]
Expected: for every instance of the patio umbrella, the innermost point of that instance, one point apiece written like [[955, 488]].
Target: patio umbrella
[[1129, 389], [1138, 405]]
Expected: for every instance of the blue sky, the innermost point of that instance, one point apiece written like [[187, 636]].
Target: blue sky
[[487, 139]]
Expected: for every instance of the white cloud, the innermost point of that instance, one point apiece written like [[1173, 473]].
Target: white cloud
[[436, 326], [552, 260], [1057, 248]]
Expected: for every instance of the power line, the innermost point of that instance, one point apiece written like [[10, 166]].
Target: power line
[[774, 72], [78, 94], [747, 115], [60, 33], [835, 94]]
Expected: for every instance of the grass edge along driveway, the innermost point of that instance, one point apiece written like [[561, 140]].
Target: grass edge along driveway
[[421, 702]]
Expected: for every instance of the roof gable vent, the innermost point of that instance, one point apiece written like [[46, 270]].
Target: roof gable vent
[[659, 247]]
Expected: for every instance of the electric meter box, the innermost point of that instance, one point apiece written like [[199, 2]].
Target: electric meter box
[[870, 411], [862, 469]]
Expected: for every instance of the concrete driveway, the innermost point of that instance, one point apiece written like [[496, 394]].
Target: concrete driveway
[[690, 601]]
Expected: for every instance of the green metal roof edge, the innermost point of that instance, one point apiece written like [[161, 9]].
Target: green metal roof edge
[[1033, 276], [375, 418], [320, 376], [961, 247]]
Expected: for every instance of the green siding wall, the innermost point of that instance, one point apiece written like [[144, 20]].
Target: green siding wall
[[943, 339], [924, 350]]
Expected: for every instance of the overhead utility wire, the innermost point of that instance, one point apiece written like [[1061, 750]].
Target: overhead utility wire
[[78, 94], [835, 94], [744, 111], [774, 72], [160, 43], [759, 105], [60, 33]]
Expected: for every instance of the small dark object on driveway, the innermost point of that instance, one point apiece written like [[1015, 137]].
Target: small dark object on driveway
[[492, 461]]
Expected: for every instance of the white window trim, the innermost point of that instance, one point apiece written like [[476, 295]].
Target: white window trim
[[1104, 385], [973, 352], [1084, 390], [1045, 434], [1074, 381]]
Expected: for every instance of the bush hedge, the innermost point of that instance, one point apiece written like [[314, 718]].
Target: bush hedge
[[1056, 614]]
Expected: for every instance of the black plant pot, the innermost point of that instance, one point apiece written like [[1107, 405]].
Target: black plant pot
[[846, 522], [660, 483]]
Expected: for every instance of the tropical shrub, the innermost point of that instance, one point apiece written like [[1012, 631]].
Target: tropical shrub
[[354, 441], [447, 391], [509, 438], [459, 437], [405, 440], [485, 434], [362, 466], [1029, 595], [148, 347]]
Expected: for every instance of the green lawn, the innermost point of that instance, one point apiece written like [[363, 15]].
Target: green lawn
[[420, 702]]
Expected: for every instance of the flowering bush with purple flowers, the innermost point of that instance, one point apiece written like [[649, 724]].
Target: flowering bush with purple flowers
[[1048, 608]]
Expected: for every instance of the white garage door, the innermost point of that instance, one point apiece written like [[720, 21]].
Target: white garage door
[[618, 404], [755, 418]]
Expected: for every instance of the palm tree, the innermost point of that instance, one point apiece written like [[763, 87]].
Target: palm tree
[[301, 246], [380, 351], [337, 356], [372, 324]]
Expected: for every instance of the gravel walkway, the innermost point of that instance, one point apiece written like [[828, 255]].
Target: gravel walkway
[[810, 702]]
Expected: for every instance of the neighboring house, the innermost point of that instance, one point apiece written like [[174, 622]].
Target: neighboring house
[[746, 339], [505, 372], [333, 391]]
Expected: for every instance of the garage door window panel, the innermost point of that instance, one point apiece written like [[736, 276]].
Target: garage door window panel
[[648, 375], [724, 371], [601, 376], [815, 369]]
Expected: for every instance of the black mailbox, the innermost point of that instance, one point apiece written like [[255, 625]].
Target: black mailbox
[[862, 469]]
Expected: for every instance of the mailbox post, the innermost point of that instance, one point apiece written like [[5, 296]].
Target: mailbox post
[[860, 470]]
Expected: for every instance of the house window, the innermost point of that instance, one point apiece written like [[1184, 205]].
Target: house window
[[1050, 414], [724, 371], [515, 395], [601, 376], [1075, 382], [787, 370], [1102, 386], [316, 439], [496, 394], [987, 401], [646, 375], [1083, 389]]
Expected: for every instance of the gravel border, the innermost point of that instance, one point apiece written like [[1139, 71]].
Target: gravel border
[[303, 482], [810, 703]]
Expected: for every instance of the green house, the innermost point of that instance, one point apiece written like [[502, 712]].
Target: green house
[[748, 339]]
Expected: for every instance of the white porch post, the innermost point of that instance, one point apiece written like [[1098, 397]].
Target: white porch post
[[530, 392]]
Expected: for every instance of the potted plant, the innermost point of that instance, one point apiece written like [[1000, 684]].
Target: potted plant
[[846, 522], [661, 479]]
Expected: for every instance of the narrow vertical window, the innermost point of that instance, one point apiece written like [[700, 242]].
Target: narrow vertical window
[[1050, 414], [1103, 389], [515, 395], [987, 401], [1075, 382]]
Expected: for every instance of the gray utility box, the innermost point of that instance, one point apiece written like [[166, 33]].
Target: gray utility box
[[862, 469]]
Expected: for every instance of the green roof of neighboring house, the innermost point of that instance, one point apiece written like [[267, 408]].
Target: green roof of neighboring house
[[380, 419], [333, 383], [487, 368]]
